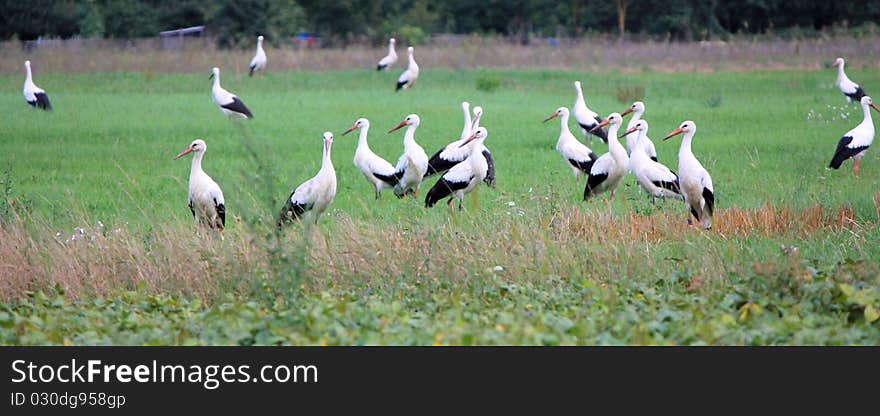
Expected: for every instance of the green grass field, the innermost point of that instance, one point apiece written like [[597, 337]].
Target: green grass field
[[393, 272]]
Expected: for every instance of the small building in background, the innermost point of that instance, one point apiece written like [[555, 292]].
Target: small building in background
[[308, 40], [173, 39]]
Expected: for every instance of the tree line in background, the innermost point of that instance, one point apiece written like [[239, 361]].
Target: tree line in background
[[341, 21]]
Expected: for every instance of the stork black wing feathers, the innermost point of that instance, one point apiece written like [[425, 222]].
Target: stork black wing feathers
[[442, 189]]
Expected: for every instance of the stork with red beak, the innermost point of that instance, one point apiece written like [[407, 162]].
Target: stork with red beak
[[851, 90], [655, 178], [309, 200], [369, 163], [610, 169], [408, 78], [454, 153], [856, 142], [578, 156], [228, 102], [633, 139], [412, 164], [464, 177], [586, 118], [205, 197], [693, 180]]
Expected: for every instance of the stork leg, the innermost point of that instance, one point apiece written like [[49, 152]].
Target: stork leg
[[856, 165], [449, 204], [378, 194]]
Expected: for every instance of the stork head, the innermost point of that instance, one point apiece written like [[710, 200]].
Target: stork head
[[560, 112], [27, 64], [360, 123], [260, 39], [577, 86], [466, 106], [478, 113], [392, 41], [409, 50], [636, 107], [838, 62], [685, 127], [480, 133], [613, 119], [410, 120], [328, 140], [198, 146], [641, 126], [867, 101], [215, 73]]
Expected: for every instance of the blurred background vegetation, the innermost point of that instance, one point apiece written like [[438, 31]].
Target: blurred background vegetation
[[358, 21]]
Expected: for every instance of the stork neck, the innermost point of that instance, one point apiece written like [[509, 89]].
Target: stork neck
[[362, 137], [466, 131], [217, 81], [412, 61], [326, 161], [27, 69], [196, 166], [637, 115], [476, 148], [866, 111], [618, 152], [841, 75], [685, 149], [580, 92], [409, 137], [563, 128], [391, 49]]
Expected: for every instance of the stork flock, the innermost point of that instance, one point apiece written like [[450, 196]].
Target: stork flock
[[464, 164]]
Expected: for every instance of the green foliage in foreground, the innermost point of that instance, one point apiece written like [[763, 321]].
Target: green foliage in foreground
[[790, 303]]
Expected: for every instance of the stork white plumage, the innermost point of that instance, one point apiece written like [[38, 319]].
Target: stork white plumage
[[258, 62], [408, 78], [205, 197], [412, 164], [388, 60], [850, 89], [856, 142], [309, 200], [693, 180], [465, 176], [638, 110], [608, 171], [35, 96], [228, 102], [453, 153], [576, 155], [369, 163], [586, 118], [654, 177]]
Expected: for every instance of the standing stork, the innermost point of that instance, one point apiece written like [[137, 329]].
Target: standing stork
[[855, 142], [609, 170], [412, 164], [309, 200], [578, 156], [35, 96], [228, 102], [463, 177], [388, 60], [586, 118], [851, 90], [453, 153], [655, 178], [205, 197], [634, 138], [408, 78], [369, 163], [693, 180], [258, 62]]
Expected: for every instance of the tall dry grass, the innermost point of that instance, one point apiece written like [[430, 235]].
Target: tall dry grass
[[174, 258], [601, 54]]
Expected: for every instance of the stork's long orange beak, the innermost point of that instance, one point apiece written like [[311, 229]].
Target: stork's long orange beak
[[402, 123], [188, 150], [600, 125], [350, 129], [551, 117], [627, 111], [675, 132], [627, 132], [875, 107], [469, 139]]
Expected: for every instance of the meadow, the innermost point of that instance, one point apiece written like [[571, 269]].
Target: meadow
[[98, 246]]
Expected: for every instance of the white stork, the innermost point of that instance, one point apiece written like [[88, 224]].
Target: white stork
[[655, 178], [309, 200], [609, 170], [851, 90], [412, 164], [408, 78], [205, 197], [463, 177], [586, 118], [855, 142], [258, 62], [34, 95], [388, 60], [578, 156], [453, 153], [369, 163], [633, 139], [229, 103], [693, 180]]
